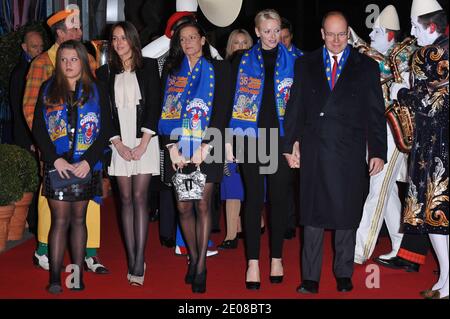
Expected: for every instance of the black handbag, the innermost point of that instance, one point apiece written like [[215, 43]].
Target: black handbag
[[56, 181]]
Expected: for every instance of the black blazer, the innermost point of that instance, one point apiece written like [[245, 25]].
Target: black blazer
[[21, 133], [334, 129], [148, 110]]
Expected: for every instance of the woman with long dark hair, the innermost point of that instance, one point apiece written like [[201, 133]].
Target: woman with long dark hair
[[196, 99], [134, 89], [71, 127]]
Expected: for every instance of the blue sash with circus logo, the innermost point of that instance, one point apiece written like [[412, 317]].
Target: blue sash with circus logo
[[187, 104], [86, 131], [327, 63], [250, 86]]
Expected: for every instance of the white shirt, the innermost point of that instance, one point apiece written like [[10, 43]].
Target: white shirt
[[339, 56]]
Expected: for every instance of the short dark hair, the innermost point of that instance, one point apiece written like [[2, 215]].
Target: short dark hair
[[333, 13], [286, 24], [176, 54], [60, 25], [28, 31], [439, 18], [132, 37]]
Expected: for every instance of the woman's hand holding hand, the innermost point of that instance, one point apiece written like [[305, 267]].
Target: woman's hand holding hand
[[81, 169], [63, 167]]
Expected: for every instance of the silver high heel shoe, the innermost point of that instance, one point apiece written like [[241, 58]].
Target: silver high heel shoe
[[137, 280]]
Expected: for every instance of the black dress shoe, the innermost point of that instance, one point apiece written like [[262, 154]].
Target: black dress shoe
[[252, 285], [94, 265], [276, 279], [308, 287], [344, 284], [167, 241], [290, 233], [229, 244], [398, 263]]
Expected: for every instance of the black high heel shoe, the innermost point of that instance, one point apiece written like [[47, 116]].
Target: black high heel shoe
[[252, 285], [276, 279], [229, 244], [190, 275], [55, 288], [199, 283], [80, 287]]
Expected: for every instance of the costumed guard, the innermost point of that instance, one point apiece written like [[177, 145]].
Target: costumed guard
[[383, 202], [427, 202]]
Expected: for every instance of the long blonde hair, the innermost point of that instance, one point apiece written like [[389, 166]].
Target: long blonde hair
[[234, 33]]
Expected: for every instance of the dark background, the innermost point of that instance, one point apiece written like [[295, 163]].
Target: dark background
[[305, 15]]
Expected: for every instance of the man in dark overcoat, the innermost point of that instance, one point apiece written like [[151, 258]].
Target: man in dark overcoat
[[336, 131]]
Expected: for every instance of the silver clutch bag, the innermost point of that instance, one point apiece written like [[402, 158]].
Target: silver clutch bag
[[189, 186]]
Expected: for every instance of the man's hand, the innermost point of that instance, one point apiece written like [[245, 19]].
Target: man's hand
[[375, 166], [81, 169], [62, 166], [294, 158]]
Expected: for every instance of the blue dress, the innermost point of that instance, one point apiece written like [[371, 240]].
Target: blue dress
[[231, 186]]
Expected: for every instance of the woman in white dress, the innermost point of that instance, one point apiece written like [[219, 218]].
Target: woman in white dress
[[134, 90]]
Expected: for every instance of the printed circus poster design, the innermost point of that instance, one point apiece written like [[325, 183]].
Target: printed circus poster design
[[196, 113], [89, 128], [246, 108], [284, 89], [56, 126], [172, 106]]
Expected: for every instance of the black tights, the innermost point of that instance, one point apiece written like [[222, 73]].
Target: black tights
[[196, 228], [63, 216], [133, 196]]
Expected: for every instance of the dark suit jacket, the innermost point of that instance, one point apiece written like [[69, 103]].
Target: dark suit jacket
[[334, 128], [148, 110], [21, 133]]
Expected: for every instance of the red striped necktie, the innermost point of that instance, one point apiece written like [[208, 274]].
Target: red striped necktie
[[334, 71]]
